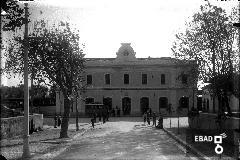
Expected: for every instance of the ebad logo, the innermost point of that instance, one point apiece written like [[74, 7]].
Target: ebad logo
[[217, 141]]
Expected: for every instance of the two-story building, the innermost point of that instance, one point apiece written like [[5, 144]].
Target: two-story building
[[135, 84]]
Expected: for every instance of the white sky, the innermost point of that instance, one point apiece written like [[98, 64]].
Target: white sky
[[149, 25]]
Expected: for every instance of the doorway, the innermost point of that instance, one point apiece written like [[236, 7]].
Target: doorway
[[126, 106], [144, 104]]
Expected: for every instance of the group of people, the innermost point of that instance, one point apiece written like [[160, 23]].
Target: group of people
[[148, 115], [103, 114], [115, 112]]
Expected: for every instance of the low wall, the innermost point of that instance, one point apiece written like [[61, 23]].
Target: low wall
[[13, 126], [207, 122]]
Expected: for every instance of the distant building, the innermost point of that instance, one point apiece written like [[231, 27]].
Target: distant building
[[135, 84], [207, 101]]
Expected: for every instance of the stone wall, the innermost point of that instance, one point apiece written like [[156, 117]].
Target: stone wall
[[13, 126]]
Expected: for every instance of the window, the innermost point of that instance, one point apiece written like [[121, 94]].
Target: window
[[126, 78], [89, 79], [107, 78], [162, 78], [163, 102], [184, 79], [144, 78], [89, 100]]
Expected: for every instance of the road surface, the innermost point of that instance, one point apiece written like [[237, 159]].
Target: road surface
[[125, 140]]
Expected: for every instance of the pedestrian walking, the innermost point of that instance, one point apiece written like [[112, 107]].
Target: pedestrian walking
[[144, 117], [154, 118]]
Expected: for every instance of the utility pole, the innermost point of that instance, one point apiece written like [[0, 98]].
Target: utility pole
[[26, 151]]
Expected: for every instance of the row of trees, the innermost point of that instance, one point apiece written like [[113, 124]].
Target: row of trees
[[211, 40], [17, 91], [55, 57]]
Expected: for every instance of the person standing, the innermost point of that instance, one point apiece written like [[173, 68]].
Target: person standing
[[148, 117], [144, 117], [150, 112], [92, 121], [154, 118], [59, 121]]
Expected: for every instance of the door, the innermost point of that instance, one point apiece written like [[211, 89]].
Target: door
[[126, 106], [144, 104], [108, 102]]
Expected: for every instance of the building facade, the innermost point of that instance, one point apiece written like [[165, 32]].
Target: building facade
[[135, 84]]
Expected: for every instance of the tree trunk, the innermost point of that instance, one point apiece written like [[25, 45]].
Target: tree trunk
[[77, 126], [65, 119]]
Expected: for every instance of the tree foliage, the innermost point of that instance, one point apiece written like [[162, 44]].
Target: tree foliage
[[210, 40], [15, 15], [54, 55]]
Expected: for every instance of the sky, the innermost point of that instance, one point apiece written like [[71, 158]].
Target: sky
[[149, 25]]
